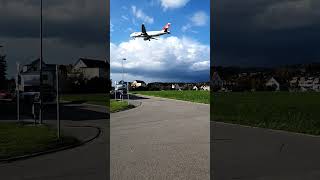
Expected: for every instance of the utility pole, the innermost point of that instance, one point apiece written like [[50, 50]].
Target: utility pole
[[41, 59], [123, 59], [57, 100]]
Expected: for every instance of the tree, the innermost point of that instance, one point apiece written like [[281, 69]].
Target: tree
[[3, 71]]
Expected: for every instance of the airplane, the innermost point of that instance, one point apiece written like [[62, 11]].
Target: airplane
[[150, 34]]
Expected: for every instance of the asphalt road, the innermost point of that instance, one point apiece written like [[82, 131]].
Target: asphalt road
[[159, 140], [86, 162], [168, 139], [246, 153]]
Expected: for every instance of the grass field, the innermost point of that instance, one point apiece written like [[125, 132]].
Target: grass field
[[194, 96], [297, 112], [117, 106], [20, 139], [98, 99]]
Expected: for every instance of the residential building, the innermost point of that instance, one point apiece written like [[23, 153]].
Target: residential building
[[91, 68], [138, 84], [205, 87], [272, 82], [216, 80]]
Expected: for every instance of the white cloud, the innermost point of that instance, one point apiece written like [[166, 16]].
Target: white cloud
[[169, 58], [125, 17], [200, 66], [111, 27], [172, 4], [138, 13], [186, 27], [199, 18]]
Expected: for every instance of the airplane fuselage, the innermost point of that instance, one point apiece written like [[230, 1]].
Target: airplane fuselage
[[147, 35], [150, 33]]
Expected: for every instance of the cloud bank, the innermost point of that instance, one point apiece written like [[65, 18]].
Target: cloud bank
[[173, 58]]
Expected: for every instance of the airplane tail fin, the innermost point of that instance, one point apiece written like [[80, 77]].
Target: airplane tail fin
[[166, 27]]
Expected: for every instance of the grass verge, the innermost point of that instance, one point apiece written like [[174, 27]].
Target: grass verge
[[17, 139], [98, 99], [117, 106], [296, 112], [193, 96]]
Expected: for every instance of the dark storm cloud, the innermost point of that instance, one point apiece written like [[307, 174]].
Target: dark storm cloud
[[74, 21], [71, 29], [266, 32], [169, 75]]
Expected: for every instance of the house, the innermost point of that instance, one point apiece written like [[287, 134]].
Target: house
[[216, 81], [205, 87], [29, 80], [30, 76], [91, 68], [272, 82], [138, 84], [176, 87], [316, 84]]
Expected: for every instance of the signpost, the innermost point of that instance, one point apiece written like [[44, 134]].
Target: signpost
[[17, 92], [128, 92], [115, 90]]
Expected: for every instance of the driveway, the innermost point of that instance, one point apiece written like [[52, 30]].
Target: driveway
[[161, 139]]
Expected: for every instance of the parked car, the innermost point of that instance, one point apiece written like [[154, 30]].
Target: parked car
[[5, 94], [29, 96]]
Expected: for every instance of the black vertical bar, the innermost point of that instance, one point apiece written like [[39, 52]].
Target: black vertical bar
[[41, 60]]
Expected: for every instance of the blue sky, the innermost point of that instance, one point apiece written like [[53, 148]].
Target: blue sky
[[181, 56]]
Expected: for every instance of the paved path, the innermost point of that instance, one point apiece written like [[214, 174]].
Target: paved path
[[81, 163], [246, 153], [161, 139]]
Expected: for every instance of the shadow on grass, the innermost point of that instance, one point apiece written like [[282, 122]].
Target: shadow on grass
[[68, 111]]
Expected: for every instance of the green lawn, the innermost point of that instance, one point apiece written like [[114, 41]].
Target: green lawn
[[297, 112], [193, 96], [20, 139], [98, 99], [117, 106]]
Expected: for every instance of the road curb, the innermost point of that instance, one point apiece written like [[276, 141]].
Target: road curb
[[178, 100], [266, 129], [17, 158]]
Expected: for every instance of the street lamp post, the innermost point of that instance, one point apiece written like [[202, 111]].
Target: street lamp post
[[41, 60], [123, 59]]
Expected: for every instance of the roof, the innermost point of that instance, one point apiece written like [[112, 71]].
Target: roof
[[139, 81], [36, 64], [94, 63]]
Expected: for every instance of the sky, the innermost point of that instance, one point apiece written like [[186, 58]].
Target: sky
[[265, 33], [71, 29], [183, 55], [245, 33]]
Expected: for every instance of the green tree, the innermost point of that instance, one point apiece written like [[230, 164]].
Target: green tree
[[3, 71]]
